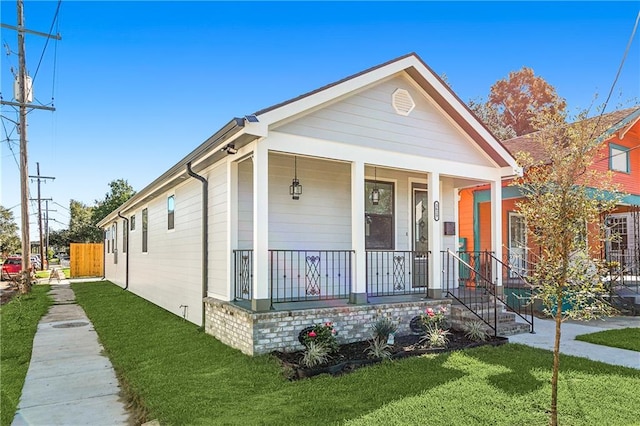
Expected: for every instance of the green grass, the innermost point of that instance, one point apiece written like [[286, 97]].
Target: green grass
[[18, 321], [180, 375], [623, 338], [46, 274]]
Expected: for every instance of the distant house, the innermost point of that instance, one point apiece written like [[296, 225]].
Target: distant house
[[619, 153], [338, 205]]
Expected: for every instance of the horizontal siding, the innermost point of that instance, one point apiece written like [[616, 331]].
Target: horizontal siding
[[218, 242], [368, 119], [169, 274]]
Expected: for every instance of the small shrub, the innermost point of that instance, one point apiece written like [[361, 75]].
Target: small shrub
[[382, 328], [475, 330], [378, 348], [436, 337], [315, 354], [323, 334]]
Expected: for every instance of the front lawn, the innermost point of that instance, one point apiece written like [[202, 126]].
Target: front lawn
[[18, 320], [623, 338], [180, 375]]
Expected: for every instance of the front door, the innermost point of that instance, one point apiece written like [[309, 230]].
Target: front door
[[517, 245], [420, 246]]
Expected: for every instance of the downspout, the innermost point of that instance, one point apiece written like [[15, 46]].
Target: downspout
[[126, 267], [205, 235]]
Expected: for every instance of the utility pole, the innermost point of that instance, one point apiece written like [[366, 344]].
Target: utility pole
[[43, 253], [23, 102]]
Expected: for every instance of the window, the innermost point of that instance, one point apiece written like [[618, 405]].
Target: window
[[125, 238], [108, 238], [619, 158], [619, 233], [379, 221], [132, 222], [145, 226], [114, 231], [170, 211]]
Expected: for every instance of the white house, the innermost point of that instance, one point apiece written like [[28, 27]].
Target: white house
[[337, 205]]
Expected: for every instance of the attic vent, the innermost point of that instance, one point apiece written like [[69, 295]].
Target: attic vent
[[402, 102]]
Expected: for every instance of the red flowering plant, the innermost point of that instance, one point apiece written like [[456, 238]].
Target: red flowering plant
[[320, 334], [434, 319]]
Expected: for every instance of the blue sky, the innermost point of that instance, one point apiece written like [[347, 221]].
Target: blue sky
[[138, 85]]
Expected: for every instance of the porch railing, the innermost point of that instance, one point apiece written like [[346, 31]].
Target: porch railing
[[392, 273], [309, 275], [243, 274]]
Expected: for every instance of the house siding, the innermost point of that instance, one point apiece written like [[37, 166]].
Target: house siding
[[368, 119]]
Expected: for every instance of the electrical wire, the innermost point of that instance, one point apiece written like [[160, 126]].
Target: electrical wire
[[624, 57], [46, 43]]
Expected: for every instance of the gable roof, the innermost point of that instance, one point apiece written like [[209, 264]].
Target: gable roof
[[616, 121], [423, 75], [241, 131]]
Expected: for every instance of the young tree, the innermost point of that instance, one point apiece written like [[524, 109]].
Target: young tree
[[522, 97], [564, 198], [9, 240]]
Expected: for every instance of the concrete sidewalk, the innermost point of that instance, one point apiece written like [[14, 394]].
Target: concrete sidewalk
[[545, 335], [69, 381]]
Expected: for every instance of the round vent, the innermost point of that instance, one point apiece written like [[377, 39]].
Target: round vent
[[402, 102]]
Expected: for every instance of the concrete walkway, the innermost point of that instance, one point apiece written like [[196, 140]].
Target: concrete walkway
[[69, 381], [545, 335]]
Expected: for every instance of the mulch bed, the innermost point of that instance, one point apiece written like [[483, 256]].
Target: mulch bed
[[352, 356]]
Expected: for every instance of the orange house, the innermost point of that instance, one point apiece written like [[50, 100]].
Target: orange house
[[620, 153]]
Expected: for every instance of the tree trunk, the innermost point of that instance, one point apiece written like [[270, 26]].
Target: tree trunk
[[556, 364]]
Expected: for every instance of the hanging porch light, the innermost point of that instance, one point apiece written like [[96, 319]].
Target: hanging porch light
[[375, 192], [295, 189]]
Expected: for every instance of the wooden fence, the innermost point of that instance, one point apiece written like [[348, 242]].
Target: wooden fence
[[86, 260]]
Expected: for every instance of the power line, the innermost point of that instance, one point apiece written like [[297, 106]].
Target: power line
[[613, 85]]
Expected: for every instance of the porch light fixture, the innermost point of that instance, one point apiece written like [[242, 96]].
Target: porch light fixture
[[229, 149], [295, 189], [375, 192]]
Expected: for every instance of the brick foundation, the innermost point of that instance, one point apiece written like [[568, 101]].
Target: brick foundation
[[256, 333]]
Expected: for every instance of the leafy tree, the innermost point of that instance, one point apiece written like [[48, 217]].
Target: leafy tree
[[59, 239], [491, 118], [121, 191], [523, 96], [9, 239], [82, 228], [564, 198]]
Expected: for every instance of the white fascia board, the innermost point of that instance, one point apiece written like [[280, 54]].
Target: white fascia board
[[333, 92], [339, 151]]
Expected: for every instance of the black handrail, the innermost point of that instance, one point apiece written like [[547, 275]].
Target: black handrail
[[393, 273]]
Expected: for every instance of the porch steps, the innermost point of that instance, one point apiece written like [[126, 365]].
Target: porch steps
[[507, 324]]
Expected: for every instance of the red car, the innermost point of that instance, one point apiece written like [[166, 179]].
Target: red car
[[11, 267]]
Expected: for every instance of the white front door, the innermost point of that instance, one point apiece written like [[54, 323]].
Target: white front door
[[517, 245]]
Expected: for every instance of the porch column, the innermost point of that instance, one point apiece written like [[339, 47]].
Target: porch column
[[435, 236], [496, 232], [260, 298], [358, 293]]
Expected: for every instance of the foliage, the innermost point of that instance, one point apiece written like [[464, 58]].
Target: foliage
[[169, 369], [19, 319], [120, 192], [82, 229], [9, 239], [433, 319], [436, 337], [564, 197], [82, 226], [522, 97], [382, 328], [314, 354], [624, 338], [320, 334], [475, 330], [379, 348], [59, 240], [489, 115]]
